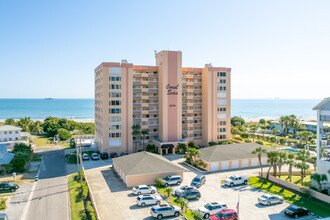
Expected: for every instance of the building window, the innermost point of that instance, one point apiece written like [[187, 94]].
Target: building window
[[221, 74], [115, 127], [115, 110], [115, 78], [115, 94], [115, 135], [221, 115], [221, 137], [115, 102], [222, 102], [221, 109], [114, 70], [221, 95], [115, 118], [115, 86]]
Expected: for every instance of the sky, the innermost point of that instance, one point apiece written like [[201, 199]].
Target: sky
[[276, 49]]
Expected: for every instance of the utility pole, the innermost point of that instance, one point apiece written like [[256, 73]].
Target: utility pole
[[80, 161], [77, 158]]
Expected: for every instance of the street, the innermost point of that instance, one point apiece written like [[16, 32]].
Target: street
[[50, 197]]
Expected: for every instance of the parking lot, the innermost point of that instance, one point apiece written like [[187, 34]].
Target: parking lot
[[115, 201]]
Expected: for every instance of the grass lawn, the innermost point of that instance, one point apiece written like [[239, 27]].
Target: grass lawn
[[43, 140], [296, 180], [76, 201], [315, 207], [187, 213]]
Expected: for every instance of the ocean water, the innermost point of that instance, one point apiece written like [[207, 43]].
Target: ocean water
[[84, 108]]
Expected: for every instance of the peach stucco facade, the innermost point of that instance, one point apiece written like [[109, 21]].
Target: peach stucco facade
[[174, 104]]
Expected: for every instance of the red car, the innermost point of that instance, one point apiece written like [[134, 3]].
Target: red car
[[228, 214]]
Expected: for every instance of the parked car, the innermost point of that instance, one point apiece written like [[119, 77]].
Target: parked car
[[143, 189], [175, 179], [268, 199], [113, 155], [95, 156], [144, 200], [165, 210], [212, 208], [123, 154], [198, 181], [3, 216], [296, 211], [104, 156], [85, 157], [191, 195], [228, 214], [179, 192], [236, 180], [8, 186]]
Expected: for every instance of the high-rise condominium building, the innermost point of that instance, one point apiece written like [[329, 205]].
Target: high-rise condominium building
[[170, 103]]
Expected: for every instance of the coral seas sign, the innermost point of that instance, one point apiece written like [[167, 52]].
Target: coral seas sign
[[172, 89]]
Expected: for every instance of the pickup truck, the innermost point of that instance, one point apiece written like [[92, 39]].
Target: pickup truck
[[236, 180]]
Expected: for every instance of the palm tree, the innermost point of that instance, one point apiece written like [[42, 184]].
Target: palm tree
[[304, 135], [10, 121], [292, 122], [291, 162], [182, 202], [182, 147], [282, 158], [168, 190], [319, 178], [144, 133], [284, 121], [263, 131], [259, 151], [253, 128], [303, 155], [25, 123], [191, 155], [275, 132], [136, 133], [37, 127], [272, 158], [303, 166]]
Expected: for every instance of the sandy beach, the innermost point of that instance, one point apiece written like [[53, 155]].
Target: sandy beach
[[76, 120], [247, 119]]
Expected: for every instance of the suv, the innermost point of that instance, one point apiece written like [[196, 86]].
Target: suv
[[143, 189], [104, 156], [184, 189], [95, 156], [8, 186], [164, 210], [144, 200], [268, 199], [175, 179], [192, 195], [198, 181], [212, 208], [113, 155], [85, 157], [228, 214]]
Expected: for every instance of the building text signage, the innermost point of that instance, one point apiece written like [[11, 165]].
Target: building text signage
[[172, 89]]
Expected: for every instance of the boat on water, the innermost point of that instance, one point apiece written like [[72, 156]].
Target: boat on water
[[49, 98]]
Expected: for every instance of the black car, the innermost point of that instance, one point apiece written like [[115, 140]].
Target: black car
[[296, 211], [123, 154], [198, 181], [113, 155], [104, 156], [8, 186]]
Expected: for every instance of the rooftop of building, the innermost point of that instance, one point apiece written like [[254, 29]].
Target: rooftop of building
[[142, 163], [229, 152], [9, 128], [323, 105]]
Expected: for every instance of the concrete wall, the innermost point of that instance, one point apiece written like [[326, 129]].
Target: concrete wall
[[298, 188], [244, 163], [148, 179]]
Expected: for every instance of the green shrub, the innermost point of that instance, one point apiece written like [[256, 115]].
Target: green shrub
[[64, 134], [282, 140], [22, 148], [247, 140], [244, 135], [260, 142], [19, 161], [212, 144], [3, 203], [159, 182], [238, 138], [90, 212], [229, 142]]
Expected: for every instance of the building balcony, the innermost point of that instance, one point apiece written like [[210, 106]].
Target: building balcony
[[190, 104], [190, 90], [189, 83], [144, 104], [144, 97], [144, 89], [143, 82]]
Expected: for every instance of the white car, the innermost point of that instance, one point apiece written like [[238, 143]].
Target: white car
[[144, 200], [212, 208], [144, 189], [95, 156], [268, 199], [236, 180], [85, 157]]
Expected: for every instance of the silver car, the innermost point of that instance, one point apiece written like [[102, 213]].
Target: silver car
[[175, 179], [165, 210], [180, 192], [268, 199]]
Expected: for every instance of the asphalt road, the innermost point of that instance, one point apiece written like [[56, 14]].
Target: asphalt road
[[50, 197]]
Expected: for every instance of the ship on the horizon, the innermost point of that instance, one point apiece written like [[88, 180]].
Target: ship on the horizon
[[49, 98]]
